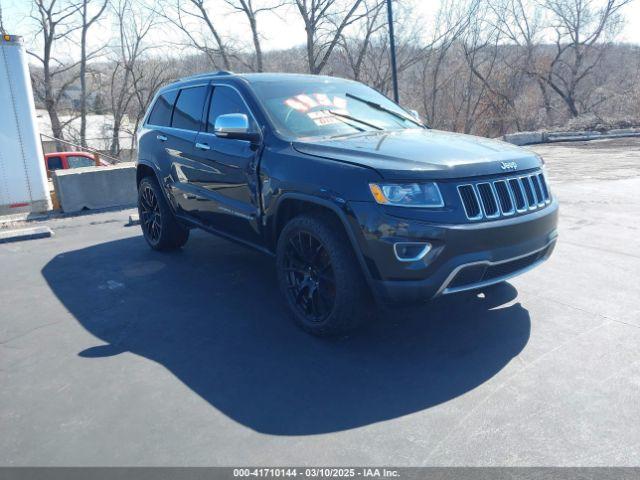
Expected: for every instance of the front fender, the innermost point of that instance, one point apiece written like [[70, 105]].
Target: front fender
[[339, 207]]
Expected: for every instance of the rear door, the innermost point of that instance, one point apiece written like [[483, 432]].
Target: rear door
[[226, 175], [153, 139], [186, 120]]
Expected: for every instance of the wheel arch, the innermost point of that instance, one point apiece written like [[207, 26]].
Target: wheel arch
[[144, 169], [148, 169], [290, 205]]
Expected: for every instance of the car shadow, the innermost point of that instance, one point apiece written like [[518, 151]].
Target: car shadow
[[212, 315]]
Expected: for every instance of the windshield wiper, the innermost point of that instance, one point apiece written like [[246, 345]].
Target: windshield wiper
[[360, 129], [355, 119], [379, 107]]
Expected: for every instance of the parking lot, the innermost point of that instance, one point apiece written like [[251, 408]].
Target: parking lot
[[112, 354]]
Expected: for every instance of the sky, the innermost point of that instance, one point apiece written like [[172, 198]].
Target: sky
[[283, 30]]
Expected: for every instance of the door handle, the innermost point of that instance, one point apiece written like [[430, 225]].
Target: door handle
[[203, 146], [162, 138]]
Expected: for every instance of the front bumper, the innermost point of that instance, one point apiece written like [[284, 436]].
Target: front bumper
[[463, 256]]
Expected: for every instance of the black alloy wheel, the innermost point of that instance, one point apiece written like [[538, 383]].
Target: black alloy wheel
[[319, 275], [310, 278], [160, 228], [150, 216]]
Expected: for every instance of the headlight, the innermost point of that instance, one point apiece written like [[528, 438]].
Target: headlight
[[424, 195]]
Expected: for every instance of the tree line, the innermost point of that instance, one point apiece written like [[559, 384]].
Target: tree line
[[486, 67]]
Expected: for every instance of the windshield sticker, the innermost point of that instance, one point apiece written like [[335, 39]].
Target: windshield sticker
[[307, 100], [319, 107], [340, 103], [323, 117], [296, 105], [323, 100]]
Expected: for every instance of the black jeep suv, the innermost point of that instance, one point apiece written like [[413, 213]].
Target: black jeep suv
[[351, 193]]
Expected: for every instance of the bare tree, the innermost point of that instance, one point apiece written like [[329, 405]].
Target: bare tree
[[356, 46], [483, 66], [489, 63], [375, 68], [520, 22], [578, 27], [324, 22], [134, 26], [452, 20], [146, 78], [2, 29], [88, 20], [194, 20], [54, 25], [251, 11]]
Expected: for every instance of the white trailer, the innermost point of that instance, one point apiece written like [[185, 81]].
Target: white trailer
[[23, 177]]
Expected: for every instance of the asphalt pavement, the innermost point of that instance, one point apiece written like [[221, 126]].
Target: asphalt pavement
[[112, 354]]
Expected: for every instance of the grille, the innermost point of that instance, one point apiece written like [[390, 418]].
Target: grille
[[475, 274], [504, 196], [507, 268], [470, 202], [518, 195], [506, 203]]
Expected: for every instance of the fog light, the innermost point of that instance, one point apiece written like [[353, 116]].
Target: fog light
[[411, 251]]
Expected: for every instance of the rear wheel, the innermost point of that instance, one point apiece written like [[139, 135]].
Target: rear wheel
[[319, 275], [160, 228]]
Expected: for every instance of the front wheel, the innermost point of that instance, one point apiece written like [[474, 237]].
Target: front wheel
[[319, 276], [160, 228]]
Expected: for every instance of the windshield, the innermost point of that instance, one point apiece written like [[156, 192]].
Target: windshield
[[328, 107]]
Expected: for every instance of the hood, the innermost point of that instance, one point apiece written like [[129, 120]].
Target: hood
[[422, 153]]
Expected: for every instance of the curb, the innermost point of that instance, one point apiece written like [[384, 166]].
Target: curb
[[7, 221], [22, 234], [23, 217], [531, 138]]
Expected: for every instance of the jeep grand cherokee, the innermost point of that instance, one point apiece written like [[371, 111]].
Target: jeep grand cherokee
[[351, 193]]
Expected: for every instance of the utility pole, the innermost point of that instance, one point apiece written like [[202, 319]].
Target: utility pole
[[392, 46]]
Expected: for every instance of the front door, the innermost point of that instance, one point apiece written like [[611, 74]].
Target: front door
[[227, 177]]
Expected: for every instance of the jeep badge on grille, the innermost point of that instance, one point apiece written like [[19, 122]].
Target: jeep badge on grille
[[508, 165]]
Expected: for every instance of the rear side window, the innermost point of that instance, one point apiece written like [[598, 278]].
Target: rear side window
[[161, 113], [54, 163], [225, 100], [76, 161], [189, 106]]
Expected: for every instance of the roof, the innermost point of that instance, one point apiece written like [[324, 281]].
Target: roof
[[263, 77], [77, 153], [278, 77]]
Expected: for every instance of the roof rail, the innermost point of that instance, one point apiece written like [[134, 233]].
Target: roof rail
[[207, 74]]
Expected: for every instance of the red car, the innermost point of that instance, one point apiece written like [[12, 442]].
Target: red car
[[65, 160]]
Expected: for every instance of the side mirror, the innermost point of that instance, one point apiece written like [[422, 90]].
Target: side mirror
[[416, 115], [234, 126]]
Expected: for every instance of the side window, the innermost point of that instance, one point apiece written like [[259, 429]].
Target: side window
[[54, 163], [161, 113], [225, 100], [189, 106], [76, 161]]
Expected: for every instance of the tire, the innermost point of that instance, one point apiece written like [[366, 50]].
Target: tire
[[320, 277], [159, 225]]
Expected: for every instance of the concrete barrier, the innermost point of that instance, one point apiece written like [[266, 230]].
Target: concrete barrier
[[524, 138], [95, 187], [529, 138], [573, 136]]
